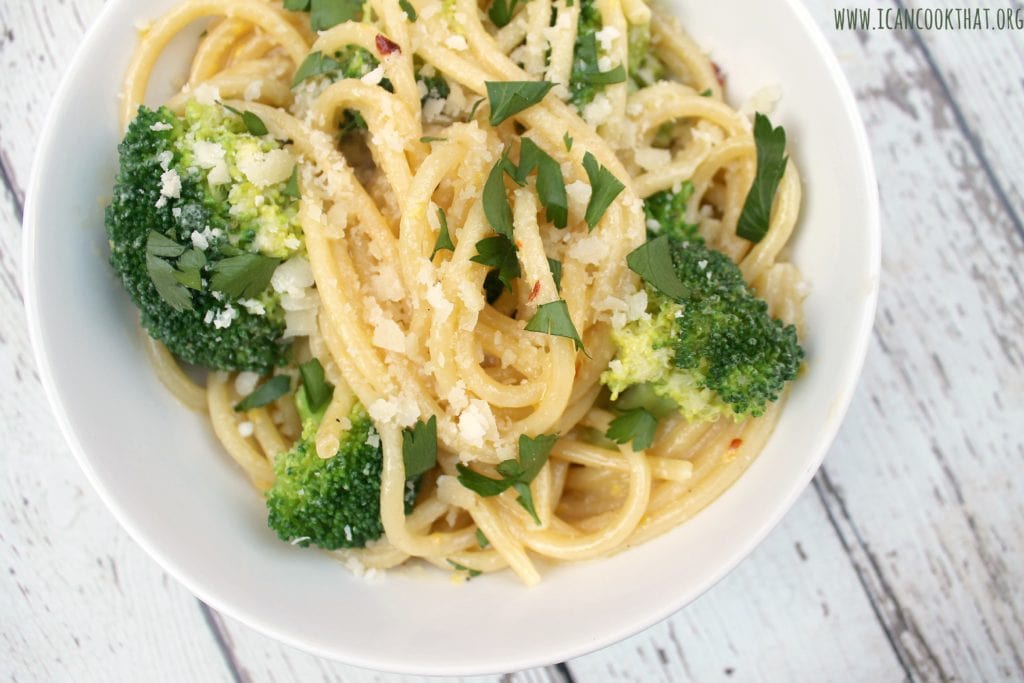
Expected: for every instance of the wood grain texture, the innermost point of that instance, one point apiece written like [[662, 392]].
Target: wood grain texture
[[790, 612], [982, 75], [905, 560], [920, 481], [260, 658], [79, 600]]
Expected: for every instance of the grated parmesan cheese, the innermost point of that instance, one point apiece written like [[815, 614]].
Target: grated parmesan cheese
[[433, 110], [456, 102], [294, 275], [360, 570], [199, 240], [206, 94], [170, 187], [401, 409], [633, 307], [606, 38], [299, 323], [472, 297], [386, 285], [253, 91], [706, 132], [456, 42], [388, 335], [293, 280], [764, 100], [374, 77], [223, 318], [442, 307], [598, 111], [264, 169], [579, 194], [210, 155], [636, 306], [245, 382], [253, 306], [301, 301], [652, 158], [457, 398], [590, 249], [476, 423]]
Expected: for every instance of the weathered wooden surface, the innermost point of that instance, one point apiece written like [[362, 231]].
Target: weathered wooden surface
[[904, 560]]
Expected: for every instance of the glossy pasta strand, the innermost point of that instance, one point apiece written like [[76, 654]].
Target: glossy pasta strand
[[402, 327]]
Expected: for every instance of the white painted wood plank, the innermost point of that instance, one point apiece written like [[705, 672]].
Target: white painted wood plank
[[36, 43], [78, 599], [983, 70], [263, 659], [948, 600], [920, 480], [258, 658], [37, 40], [793, 611], [897, 517]]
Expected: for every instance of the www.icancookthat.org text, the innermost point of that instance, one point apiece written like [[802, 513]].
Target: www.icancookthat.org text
[[929, 19]]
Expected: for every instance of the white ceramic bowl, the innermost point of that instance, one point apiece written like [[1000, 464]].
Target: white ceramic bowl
[[162, 474]]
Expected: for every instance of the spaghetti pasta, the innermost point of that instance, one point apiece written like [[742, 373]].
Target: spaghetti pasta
[[408, 331]]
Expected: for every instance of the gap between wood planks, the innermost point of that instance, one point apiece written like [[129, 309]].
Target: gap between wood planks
[[11, 273], [915, 655], [223, 640], [7, 177], [973, 141], [556, 673], [912, 650]]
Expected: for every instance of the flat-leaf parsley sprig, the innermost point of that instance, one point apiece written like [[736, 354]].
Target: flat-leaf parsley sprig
[[771, 164], [516, 474]]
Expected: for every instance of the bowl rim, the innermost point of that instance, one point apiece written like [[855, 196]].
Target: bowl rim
[[246, 616]]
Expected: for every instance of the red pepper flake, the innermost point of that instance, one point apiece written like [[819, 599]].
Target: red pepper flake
[[719, 74], [735, 443], [386, 46], [535, 292]]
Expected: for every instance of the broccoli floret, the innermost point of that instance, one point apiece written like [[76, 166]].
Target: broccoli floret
[[218, 212], [718, 352], [666, 214], [332, 502]]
